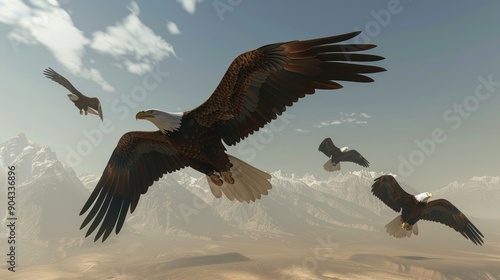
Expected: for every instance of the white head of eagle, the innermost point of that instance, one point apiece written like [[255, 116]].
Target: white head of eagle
[[423, 197], [165, 121], [344, 149], [73, 97]]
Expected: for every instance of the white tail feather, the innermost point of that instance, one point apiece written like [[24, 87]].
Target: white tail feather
[[250, 183], [216, 190], [394, 228], [92, 111], [330, 166]]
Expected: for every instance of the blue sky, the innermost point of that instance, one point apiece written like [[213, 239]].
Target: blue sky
[[432, 117]]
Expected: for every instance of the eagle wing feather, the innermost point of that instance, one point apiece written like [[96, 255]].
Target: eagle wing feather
[[56, 77], [328, 148], [387, 189], [96, 105], [139, 159], [444, 212], [260, 84], [356, 157]]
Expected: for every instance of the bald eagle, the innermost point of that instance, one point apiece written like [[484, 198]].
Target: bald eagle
[[337, 155], [416, 207], [256, 88], [83, 103]]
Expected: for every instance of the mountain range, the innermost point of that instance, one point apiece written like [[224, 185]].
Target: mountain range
[[50, 196]]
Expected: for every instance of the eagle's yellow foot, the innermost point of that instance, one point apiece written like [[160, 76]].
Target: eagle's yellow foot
[[406, 226], [216, 179], [227, 175]]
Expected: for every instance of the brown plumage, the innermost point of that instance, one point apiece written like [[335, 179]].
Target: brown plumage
[[83, 103], [260, 84], [257, 87], [337, 155], [139, 159], [414, 208]]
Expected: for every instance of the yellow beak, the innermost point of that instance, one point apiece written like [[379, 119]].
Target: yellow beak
[[143, 115], [430, 194]]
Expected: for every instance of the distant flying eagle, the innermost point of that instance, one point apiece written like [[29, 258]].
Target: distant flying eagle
[[257, 87], [83, 103], [337, 155], [414, 208]]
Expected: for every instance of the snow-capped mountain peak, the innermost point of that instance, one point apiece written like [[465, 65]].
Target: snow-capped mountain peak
[[479, 196], [49, 191], [13, 147], [182, 204]]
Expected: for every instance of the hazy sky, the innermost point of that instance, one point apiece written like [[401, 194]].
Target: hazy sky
[[442, 83]]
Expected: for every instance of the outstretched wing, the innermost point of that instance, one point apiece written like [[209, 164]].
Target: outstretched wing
[[96, 105], [259, 84], [442, 211], [54, 76], [328, 148], [356, 157], [387, 189], [139, 159]]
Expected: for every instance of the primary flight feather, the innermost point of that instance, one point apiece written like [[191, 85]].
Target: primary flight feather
[[416, 207], [256, 88], [337, 155], [84, 104]]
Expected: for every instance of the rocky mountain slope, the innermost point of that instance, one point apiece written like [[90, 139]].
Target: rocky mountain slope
[[52, 195]]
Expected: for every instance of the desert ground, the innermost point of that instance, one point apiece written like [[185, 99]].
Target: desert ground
[[437, 253]]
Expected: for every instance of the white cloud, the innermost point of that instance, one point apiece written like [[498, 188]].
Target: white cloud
[[189, 5], [47, 24], [354, 118], [301, 130], [132, 43], [136, 68], [172, 28], [134, 8], [365, 115], [360, 115], [348, 114], [13, 11]]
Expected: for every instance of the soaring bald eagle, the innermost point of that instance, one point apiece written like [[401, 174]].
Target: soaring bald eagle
[[83, 103], [416, 207], [337, 155], [257, 87]]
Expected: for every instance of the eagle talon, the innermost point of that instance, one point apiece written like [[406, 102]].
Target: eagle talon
[[197, 138], [216, 179], [227, 175], [406, 226]]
